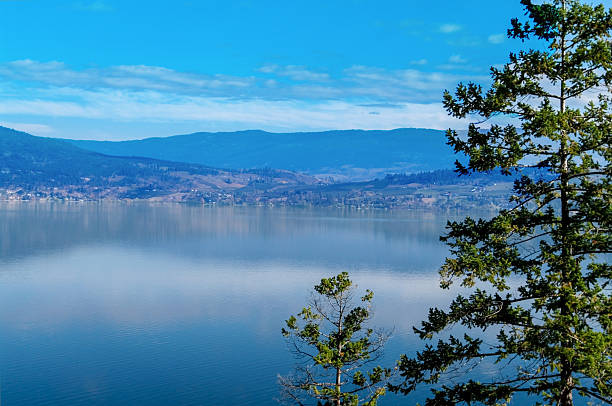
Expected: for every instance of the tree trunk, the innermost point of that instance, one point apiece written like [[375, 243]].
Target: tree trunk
[[339, 348], [567, 382], [338, 375]]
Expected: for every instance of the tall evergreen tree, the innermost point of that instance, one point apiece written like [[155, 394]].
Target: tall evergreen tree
[[539, 273]]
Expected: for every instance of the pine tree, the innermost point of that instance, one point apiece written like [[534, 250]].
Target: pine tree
[[538, 273], [336, 347]]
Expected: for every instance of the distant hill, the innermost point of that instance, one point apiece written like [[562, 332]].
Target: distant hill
[[344, 155], [36, 168], [44, 167], [441, 189]]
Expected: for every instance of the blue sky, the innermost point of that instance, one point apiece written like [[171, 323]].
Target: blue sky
[[110, 69]]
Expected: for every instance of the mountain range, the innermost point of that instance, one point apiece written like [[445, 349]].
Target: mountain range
[[33, 166], [348, 155], [37, 168]]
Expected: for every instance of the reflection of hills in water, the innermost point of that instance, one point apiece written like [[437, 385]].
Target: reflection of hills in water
[[146, 300], [375, 238]]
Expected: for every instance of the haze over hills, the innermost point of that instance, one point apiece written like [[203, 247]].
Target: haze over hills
[[343, 155]]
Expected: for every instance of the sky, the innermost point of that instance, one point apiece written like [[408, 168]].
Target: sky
[[130, 69]]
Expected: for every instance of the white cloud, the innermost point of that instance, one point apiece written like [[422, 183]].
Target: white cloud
[[457, 59], [293, 99], [253, 113], [96, 6], [407, 85], [271, 83], [268, 68], [450, 28], [295, 72], [135, 77], [496, 38], [32, 128], [419, 62], [370, 83], [458, 63], [302, 74]]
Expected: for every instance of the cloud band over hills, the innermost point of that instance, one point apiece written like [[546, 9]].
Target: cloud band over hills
[[274, 98]]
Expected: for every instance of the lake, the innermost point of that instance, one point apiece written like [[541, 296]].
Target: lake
[[144, 304]]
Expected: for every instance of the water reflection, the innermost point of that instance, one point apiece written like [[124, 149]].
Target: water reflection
[[167, 304], [253, 234]]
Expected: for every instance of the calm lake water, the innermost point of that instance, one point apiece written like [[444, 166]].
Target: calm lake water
[[138, 304]]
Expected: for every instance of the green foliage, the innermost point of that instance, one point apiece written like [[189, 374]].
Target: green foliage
[[331, 338], [540, 271]]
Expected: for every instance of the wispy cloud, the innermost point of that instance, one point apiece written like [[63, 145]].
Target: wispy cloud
[[358, 82], [134, 77], [419, 62], [458, 63], [496, 38], [457, 59], [401, 85], [96, 6], [268, 68], [32, 128], [298, 73], [450, 28], [279, 98], [255, 113]]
